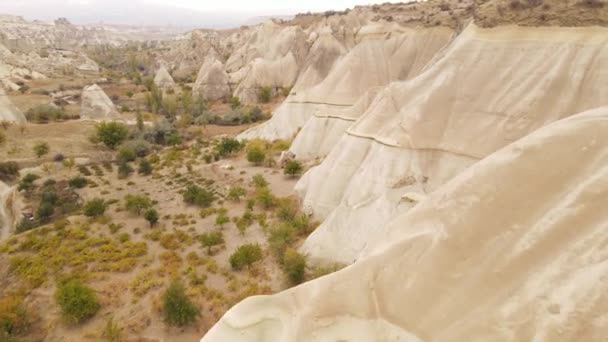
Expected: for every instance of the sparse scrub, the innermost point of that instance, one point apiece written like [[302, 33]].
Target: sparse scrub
[[9, 171]]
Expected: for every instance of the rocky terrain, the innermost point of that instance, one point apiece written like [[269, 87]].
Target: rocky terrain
[[451, 152]]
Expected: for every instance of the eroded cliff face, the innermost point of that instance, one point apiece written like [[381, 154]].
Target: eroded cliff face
[[510, 249], [489, 88]]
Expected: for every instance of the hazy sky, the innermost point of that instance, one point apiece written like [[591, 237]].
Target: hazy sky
[[200, 13]]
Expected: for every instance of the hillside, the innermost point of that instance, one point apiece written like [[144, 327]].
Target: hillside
[[395, 172]]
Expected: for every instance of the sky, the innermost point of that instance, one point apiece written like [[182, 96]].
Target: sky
[[186, 13]]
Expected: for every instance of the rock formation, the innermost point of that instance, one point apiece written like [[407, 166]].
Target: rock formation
[[503, 252], [212, 81], [163, 79], [8, 111], [97, 105], [418, 134]]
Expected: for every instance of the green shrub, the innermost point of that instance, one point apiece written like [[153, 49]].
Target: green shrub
[[111, 133], [14, 318], [136, 204], [41, 148], [294, 266], [77, 182], [228, 146], [111, 331], [44, 212], [256, 155], [265, 198], [259, 181], [293, 168], [95, 207], [209, 240], [8, 171], [145, 168], [221, 219], [27, 182], [235, 193], [245, 255], [78, 302], [126, 154], [124, 170], [264, 94], [198, 196], [46, 113], [178, 310], [235, 102]]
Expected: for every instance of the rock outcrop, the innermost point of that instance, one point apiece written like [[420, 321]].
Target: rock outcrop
[[8, 111], [163, 79], [212, 82], [503, 252], [97, 105]]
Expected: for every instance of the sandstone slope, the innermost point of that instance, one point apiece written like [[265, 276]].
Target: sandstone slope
[[512, 249], [420, 133]]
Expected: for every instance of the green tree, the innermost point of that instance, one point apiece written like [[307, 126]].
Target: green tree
[[145, 168], [77, 182], [95, 207], [294, 266], [41, 148], [178, 310], [209, 240], [136, 204], [245, 255], [293, 168], [198, 196], [151, 215], [78, 302], [2, 138], [256, 155], [111, 133]]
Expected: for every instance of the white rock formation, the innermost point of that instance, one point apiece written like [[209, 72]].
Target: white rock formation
[[163, 79], [420, 133], [97, 105], [212, 81], [8, 111], [512, 249], [385, 53]]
